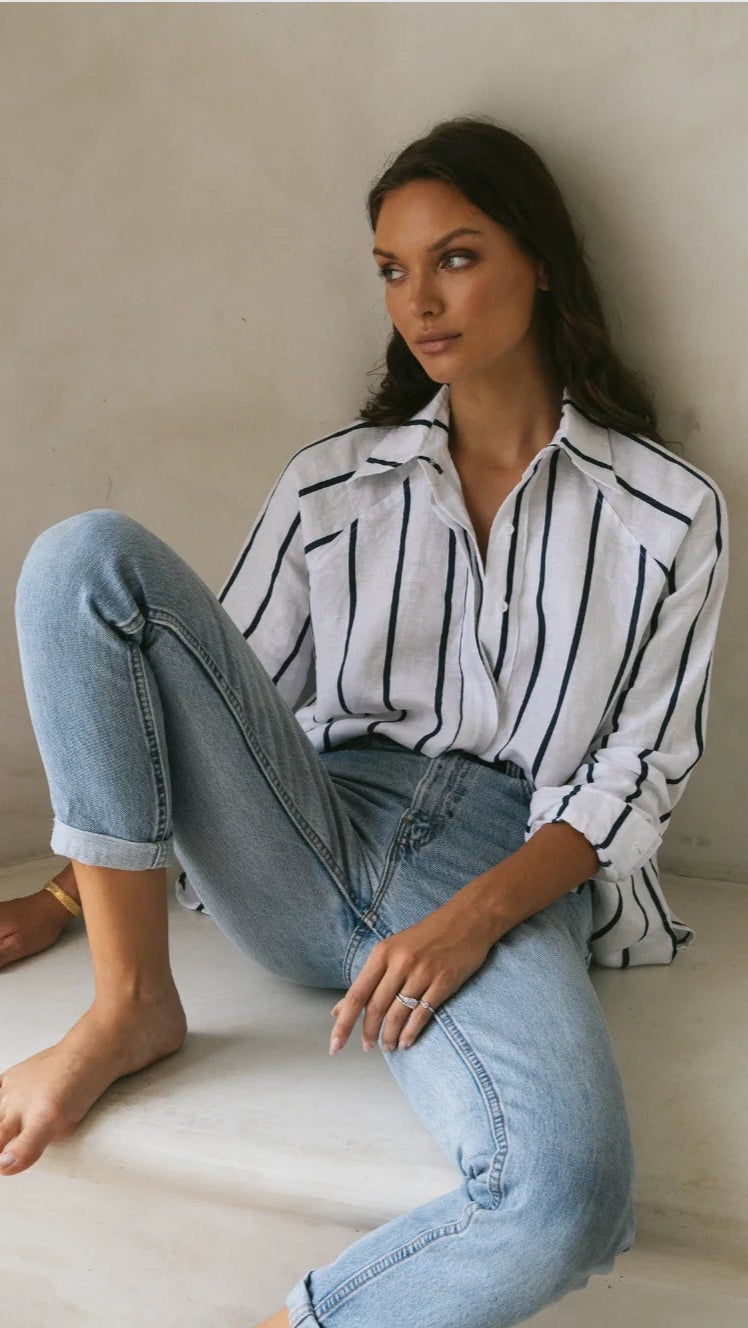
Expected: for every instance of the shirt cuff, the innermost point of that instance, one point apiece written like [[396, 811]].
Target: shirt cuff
[[622, 836], [186, 895]]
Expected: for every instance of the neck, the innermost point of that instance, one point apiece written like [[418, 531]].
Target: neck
[[500, 423]]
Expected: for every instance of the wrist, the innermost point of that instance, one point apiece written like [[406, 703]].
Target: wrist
[[481, 905], [556, 859]]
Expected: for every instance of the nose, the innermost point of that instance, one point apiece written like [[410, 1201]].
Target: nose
[[424, 296]]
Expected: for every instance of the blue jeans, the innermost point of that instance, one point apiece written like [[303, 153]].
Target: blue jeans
[[159, 732]]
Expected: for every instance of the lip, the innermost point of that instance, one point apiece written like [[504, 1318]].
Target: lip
[[437, 343]]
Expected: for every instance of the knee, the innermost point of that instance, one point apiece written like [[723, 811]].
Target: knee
[[78, 540], [556, 1241], [586, 1216], [79, 531], [575, 1210], [594, 1230]]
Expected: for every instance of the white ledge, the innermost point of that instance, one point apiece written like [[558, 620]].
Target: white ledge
[[286, 1155]]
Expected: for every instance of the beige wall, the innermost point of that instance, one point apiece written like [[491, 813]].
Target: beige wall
[[188, 297]]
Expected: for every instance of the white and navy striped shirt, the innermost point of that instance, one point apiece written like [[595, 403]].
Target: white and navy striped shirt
[[582, 652]]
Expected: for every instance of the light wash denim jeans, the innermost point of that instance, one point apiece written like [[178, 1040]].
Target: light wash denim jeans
[[161, 733]]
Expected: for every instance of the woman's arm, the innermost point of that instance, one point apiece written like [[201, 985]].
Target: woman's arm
[[622, 796], [608, 819], [557, 859]]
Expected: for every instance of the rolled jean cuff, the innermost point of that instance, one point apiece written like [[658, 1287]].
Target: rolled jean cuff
[[300, 1311], [104, 851]]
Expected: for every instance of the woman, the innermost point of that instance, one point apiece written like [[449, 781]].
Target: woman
[[481, 620]]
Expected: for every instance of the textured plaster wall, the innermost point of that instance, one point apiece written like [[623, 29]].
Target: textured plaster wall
[[188, 296]]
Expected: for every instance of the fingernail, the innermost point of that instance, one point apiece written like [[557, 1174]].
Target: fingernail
[[335, 1045], [367, 1045], [6, 1159]]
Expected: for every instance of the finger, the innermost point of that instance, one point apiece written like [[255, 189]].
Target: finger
[[405, 1031], [357, 996], [384, 1011], [400, 974]]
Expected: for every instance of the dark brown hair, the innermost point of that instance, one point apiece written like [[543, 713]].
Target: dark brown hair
[[504, 177]]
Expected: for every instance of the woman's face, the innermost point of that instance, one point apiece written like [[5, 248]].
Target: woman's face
[[481, 287]]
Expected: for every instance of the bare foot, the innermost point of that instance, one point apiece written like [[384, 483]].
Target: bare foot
[[43, 1098], [30, 924]]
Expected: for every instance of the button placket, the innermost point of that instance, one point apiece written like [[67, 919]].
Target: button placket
[[511, 626], [490, 623]]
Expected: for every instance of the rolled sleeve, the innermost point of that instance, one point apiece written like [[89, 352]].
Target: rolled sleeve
[[622, 836], [622, 795]]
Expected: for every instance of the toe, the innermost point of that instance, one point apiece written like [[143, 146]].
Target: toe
[[26, 1148], [10, 1127], [9, 1130], [7, 1163]]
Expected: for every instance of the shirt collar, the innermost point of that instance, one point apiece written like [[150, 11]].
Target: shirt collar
[[426, 435]]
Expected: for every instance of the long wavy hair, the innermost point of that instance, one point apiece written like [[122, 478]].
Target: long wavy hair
[[504, 177]]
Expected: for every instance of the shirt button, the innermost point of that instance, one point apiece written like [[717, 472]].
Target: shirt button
[[504, 607], [510, 530]]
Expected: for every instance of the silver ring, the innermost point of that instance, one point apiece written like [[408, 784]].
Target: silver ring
[[412, 1002]]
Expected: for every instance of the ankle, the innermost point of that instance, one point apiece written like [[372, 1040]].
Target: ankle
[[135, 991], [46, 905], [66, 878], [49, 902]]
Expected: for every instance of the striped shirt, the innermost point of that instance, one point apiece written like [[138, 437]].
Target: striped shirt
[[582, 652]]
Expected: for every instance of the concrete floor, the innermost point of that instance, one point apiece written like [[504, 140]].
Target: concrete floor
[[184, 1198]]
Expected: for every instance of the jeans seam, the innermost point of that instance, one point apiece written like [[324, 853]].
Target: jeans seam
[[492, 1101], [491, 1098], [368, 922], [386, 1261], [168, 620], [408, 818], [157, 764], [410, 830]]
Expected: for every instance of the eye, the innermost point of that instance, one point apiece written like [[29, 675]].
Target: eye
[[460, 253], [453, 253]]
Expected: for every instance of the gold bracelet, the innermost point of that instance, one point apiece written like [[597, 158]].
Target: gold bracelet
[[65, 899]]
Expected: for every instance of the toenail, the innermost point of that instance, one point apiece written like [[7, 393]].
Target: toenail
[[6, 1159]]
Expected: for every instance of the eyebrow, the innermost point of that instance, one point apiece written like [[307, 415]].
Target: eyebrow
[[461, 230]]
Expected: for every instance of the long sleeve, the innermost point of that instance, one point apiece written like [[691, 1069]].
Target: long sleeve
[[267, 591], [622, 795]]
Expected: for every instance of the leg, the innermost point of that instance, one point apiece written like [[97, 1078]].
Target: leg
[[156, 723], [136, 1017], [516, 1079]]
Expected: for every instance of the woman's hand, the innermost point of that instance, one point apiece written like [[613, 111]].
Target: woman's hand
[[431, 961]]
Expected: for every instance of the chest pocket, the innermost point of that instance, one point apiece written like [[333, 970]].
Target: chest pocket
[[375, 523]]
